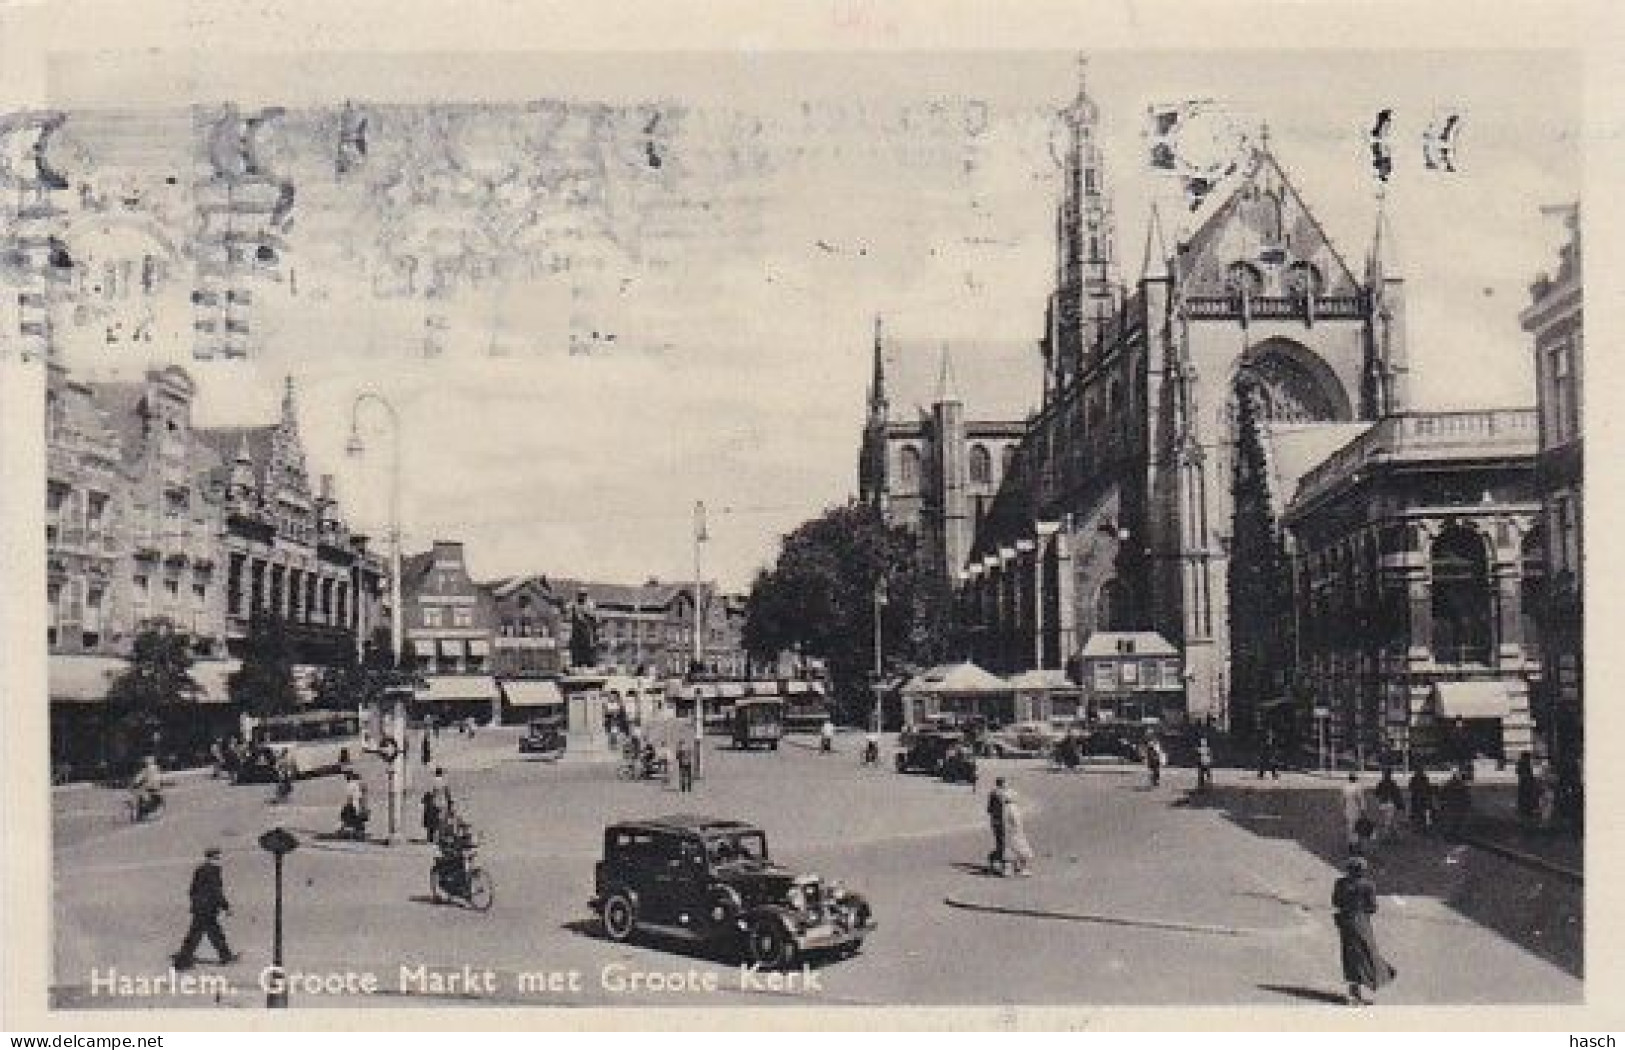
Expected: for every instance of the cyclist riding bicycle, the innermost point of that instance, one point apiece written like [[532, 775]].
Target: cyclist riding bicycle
[[456, 842], [147, 787]]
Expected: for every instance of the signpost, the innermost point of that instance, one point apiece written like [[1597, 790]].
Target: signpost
[[279, 842]]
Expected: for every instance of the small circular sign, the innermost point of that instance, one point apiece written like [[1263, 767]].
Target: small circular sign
[[388, 749]]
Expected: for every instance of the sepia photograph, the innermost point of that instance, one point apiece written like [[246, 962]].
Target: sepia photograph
[[1071, 527]]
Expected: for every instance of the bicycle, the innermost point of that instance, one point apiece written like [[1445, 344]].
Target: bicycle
[[139, 810], [462, 879]]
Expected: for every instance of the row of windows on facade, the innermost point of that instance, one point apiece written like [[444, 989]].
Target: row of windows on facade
[[461, 616], [1560, 423], [1136, 674], [980, 464], [1565, 550]]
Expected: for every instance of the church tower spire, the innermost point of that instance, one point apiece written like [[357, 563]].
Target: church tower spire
[[1387, 367], [877, 384], [290, 418], [947, 389], [1084, 300]]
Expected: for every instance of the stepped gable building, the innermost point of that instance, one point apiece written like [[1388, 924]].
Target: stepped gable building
[[1115, 513], [287, 551], [923, 461], [150, 517], [645, 628]]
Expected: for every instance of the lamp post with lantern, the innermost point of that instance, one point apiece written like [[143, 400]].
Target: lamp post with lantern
[[396, 762]]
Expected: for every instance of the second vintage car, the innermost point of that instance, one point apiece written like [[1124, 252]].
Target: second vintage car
[[944, 754], [711, 880]]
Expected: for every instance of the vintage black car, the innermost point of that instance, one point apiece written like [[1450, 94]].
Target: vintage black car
[[944, 754], [1098, 742], [543, 736], [712, 880]]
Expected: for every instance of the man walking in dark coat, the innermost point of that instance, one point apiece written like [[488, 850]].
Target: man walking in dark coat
[[685, 767], [995, 816], [208, 893]]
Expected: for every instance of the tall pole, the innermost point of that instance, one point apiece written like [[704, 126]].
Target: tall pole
[[277, 997], [880, 666], [397, 765], [699, 627]]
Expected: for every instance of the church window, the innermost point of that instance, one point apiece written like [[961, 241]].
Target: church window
[[1109, 611], [1304, 280], [1243, 279], [908, 466], [1265, 216], [1091, 180], [981, 465]]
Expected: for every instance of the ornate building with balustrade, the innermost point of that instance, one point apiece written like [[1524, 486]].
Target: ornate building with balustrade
[[1555, 317], [1417, 570], [1115, 512]]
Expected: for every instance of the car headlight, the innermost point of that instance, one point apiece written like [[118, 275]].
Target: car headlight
[[796, 898]]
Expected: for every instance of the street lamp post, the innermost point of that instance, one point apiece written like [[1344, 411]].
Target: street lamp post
[[355, 447], [699, 638], [880, 665], [278, 842]]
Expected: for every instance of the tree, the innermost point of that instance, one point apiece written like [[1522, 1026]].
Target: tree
[[1260, 583], [819, 597], [263, 686], [157, 682]]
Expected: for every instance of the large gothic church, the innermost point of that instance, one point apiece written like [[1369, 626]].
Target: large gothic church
[[1115, 510]]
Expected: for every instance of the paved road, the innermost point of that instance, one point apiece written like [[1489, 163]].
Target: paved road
[[1139, 898]]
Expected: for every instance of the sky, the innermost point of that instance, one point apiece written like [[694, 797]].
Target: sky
[[582, 342]]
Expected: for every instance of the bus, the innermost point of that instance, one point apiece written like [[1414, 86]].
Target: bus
[[758, 720], [312, 742]]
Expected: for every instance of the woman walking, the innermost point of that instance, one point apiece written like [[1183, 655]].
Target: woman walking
[[1354, 899], [1017, 850]]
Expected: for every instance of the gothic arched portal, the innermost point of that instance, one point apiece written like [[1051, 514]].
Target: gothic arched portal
[[1289, 384]]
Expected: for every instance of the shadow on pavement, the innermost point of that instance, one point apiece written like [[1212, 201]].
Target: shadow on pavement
[[718, 953], [977, 869], [1539, 912], [1314, 995]]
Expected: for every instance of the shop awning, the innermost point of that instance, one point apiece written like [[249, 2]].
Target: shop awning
[[797, 685], [731, 690], [1471, 700], [479, 647], [524, 693], [86, 679], [81, 679], [764, 688], [450, 647], [214, 676], [460, 688]]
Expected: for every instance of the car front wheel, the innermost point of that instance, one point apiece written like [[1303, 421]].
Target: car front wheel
[[771, 944], [620, 917]]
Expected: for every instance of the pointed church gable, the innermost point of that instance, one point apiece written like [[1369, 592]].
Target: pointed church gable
[[1264, 236]]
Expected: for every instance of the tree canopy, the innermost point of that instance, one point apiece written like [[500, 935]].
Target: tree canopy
[[263, 685], [157, 678], [819, 599], [1260, 582]]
